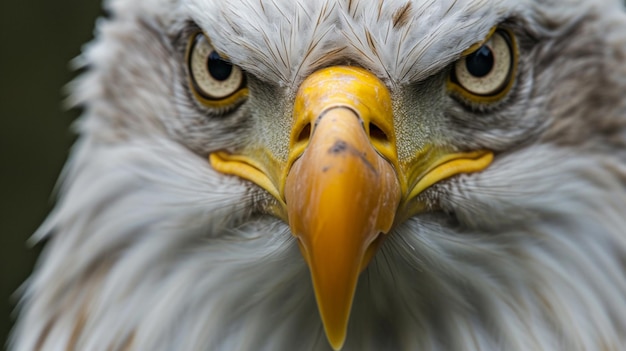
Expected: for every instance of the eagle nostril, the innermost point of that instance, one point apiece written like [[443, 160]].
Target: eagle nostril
[[305, 134], [378, 134]]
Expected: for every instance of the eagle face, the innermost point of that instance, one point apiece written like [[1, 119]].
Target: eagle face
[[357, 175]]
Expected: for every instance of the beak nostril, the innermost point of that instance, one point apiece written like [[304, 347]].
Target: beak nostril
[[305, 133], [378, 134]]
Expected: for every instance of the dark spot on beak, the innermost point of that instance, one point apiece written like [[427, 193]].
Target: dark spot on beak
[[339, 147]]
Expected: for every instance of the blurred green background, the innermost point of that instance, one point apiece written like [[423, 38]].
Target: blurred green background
[[37, 40]]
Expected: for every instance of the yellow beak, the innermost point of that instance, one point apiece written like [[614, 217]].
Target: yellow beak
[[340, 196], [342, 184]]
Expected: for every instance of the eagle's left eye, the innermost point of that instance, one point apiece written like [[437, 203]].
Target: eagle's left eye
[[214, 81], [486, 74]]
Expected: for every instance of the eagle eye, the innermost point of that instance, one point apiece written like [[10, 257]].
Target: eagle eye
[[481, 62], [219, 69], [486, 73], [214, 81]]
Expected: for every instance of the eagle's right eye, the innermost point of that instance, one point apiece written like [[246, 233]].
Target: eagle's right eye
[[487, 73], [214, 81]]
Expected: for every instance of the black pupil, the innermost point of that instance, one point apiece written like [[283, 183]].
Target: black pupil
[[480, 63], [219, 69]]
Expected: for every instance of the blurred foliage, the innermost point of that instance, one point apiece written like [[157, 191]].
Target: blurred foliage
[[37, 40]]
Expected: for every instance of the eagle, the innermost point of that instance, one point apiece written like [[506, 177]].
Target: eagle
[[341, 175]]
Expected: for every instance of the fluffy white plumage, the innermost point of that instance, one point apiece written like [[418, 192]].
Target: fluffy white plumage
[[151, 249]]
